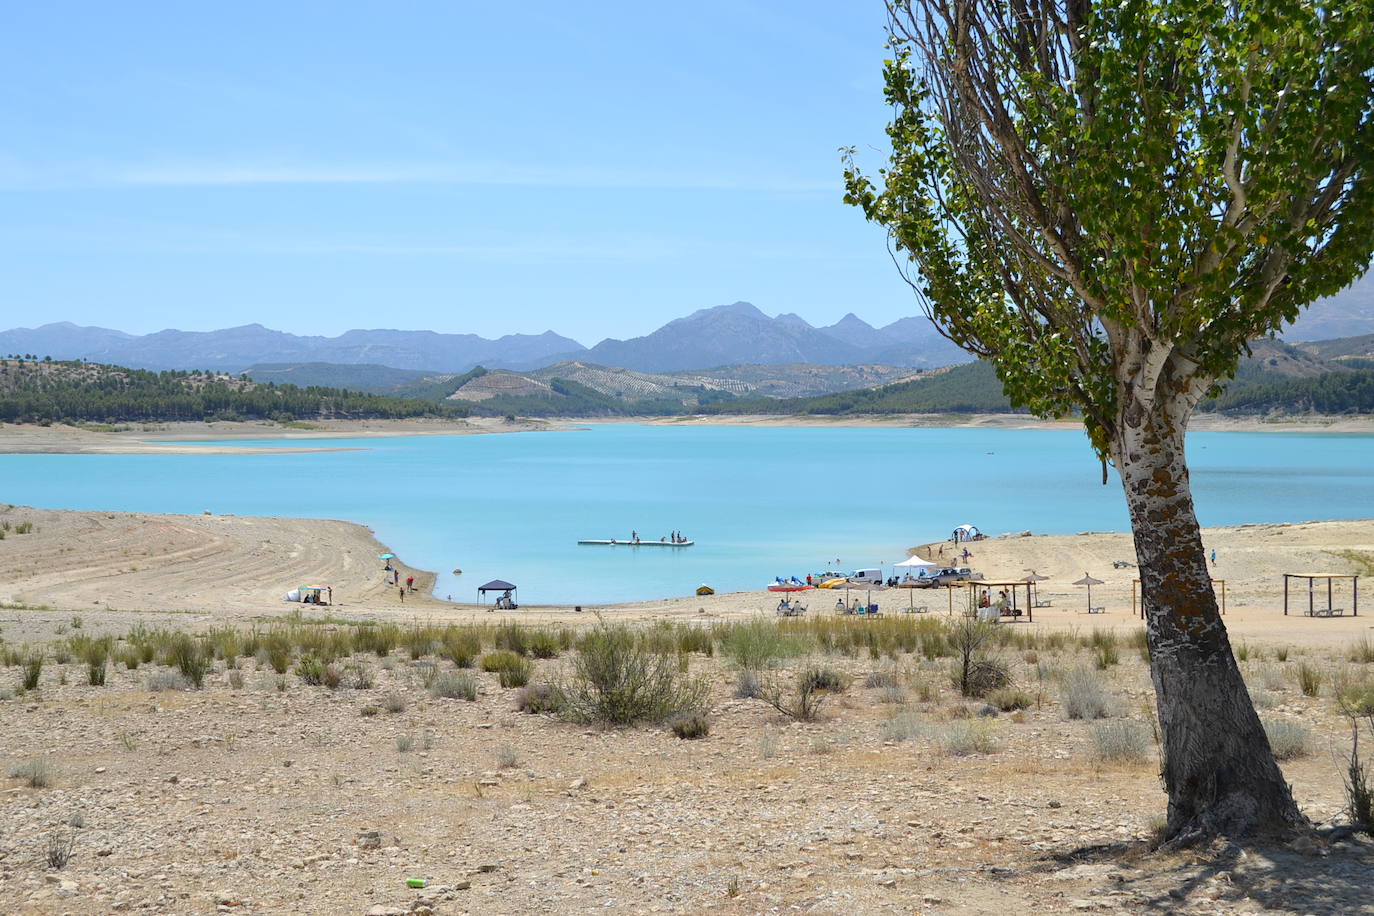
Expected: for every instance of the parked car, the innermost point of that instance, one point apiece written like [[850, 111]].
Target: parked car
[[867, 576], [947, 576]]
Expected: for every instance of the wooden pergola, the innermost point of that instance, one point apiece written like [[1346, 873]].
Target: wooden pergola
[[1135, 584], [1329, 610], [1011, 585]]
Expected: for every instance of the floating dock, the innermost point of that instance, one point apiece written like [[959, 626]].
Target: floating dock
[[615, 543]]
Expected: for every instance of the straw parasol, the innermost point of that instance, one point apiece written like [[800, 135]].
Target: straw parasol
[[1089, 581], [1032, 579]]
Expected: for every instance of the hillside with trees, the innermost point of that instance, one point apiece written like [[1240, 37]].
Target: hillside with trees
[[49, 391]]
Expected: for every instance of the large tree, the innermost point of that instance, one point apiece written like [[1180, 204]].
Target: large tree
[[1107, 200]]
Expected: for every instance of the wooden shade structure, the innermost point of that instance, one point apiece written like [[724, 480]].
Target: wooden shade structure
[[1011, 585], [1311, 577], [1135, 584]]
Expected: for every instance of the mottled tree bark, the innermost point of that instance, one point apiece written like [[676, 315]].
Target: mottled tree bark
[[1219, 771]]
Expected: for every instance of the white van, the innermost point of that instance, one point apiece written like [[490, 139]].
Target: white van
[[869, 576]]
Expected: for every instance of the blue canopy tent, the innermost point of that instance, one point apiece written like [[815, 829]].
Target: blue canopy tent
[[497, 585]]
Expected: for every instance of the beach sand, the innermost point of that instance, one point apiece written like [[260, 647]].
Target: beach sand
[[166, 438], [262, 794], [212, 568]]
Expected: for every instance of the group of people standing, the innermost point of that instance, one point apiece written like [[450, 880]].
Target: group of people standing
[[677, 537], [394, 574]]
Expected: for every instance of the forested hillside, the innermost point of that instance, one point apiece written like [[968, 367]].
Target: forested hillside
[[47, 391]]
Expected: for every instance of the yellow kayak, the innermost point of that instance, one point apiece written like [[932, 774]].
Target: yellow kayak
[[832, 583]]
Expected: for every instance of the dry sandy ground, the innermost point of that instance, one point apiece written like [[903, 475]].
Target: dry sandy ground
[[261, 798], [257, 799], [162, 438]]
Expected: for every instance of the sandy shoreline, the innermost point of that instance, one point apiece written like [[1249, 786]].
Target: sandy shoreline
[[200, 570], [164, 438]]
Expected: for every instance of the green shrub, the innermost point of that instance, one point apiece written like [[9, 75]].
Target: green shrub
[[33, 668], [691, 727], [454, 687], [1120, 742], [159, 681], [1008, 699], [1309, 679], [36, 773], [904, 726], [1083, 696], [538, 698], [974, 674], [822, 678], [189, 657], [618, 680], [419, 641], [1362, 651], [1287, 739], [460, 647], [543, 644], [966, 737], [507, 757], [499, 661], [747, 684], [394, 703], [310, 670], [758, 644], [977, 677], [513, 638], [511, 670], [880, 679]]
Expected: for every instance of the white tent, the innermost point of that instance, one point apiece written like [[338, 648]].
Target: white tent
[[914, 562]]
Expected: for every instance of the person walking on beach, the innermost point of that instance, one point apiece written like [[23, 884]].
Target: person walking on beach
[[410, 583], [403, 595], [1214, 556]]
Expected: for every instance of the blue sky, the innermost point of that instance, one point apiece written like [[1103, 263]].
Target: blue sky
[[594, 168]]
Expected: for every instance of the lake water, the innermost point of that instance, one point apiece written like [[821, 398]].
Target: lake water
[[759, 502]]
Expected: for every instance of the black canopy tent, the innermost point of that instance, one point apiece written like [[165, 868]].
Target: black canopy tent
[[495, 585]]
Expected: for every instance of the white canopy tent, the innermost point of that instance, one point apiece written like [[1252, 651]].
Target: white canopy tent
[[914, 562]]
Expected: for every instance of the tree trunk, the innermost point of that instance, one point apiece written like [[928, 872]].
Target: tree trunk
[[1219, 771]]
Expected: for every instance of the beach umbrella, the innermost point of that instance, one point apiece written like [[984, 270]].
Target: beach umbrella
[[1033, 578], [1089, 581], [386, 556]]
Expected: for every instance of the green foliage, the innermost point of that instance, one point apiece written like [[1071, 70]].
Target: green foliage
[[619, 680], [573, 399], [454, 686], [691, 727], [1155, 184], [33, 668], [75, 391]]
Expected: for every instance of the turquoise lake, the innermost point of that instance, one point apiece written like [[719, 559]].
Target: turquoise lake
[[759, 502]]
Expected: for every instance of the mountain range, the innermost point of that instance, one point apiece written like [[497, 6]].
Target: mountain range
[[722, 336], [726, 335]]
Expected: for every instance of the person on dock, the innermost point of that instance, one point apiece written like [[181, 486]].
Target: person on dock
[[634, 536]]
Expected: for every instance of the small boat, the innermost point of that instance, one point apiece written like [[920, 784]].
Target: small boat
[[705, 590], [613, 542], [793, 584]]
